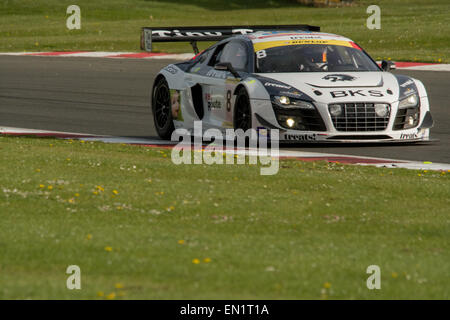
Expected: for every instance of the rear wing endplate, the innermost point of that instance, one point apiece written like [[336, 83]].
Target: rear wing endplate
[[205, 33]]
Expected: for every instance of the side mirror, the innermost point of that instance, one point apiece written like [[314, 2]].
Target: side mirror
[[226, 66], [388, 65]]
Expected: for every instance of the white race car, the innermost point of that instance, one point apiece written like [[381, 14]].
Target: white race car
[[311, 86]]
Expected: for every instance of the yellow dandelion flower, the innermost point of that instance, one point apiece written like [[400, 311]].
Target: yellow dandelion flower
[[394, 275], [68, 159], [100, 294], [181, 241], [50, 187], [41, 186], [111, 296], [77, 194], [207, 260], [89, 237], [115, 192], [118, 285], [38, 170], [327, 285], [95, 192], [108, 249], [71, 200], [196, 261]]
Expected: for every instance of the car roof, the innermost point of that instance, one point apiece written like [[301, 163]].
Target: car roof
[[266, 39], [265, 36]]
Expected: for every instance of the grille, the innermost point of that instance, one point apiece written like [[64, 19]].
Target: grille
[[400, 118], [360, 117], [308, 119]]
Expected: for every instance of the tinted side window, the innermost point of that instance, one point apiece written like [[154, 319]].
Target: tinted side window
[[201, 59], [236, 54]]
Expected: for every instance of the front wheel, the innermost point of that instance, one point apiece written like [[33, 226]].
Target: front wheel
[[161, 107], [242, 111]]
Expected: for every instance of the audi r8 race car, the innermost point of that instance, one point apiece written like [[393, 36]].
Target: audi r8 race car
[[311, 86]]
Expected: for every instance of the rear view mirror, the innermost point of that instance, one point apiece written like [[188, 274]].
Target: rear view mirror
[[388, 65]]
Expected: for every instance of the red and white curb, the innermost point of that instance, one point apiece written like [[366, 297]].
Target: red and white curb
[[99, 54], [187, 56], [283, 153]]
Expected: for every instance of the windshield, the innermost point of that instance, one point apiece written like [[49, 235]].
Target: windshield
[[313, 58]]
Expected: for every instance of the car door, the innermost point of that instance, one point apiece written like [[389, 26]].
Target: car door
[[216, 87], [221, 97]]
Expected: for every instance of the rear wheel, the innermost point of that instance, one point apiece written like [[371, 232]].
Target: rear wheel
[[242, 111], [161, 107]]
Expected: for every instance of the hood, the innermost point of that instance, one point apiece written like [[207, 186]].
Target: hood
[[331, 79], [341, 86]]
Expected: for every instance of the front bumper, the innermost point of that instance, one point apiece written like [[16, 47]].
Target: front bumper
[[421, 133]]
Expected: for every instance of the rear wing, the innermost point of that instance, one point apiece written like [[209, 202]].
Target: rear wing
[[205, 33]]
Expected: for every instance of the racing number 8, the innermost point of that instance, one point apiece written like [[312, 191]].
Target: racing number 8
[[229, 100], [261, 54]]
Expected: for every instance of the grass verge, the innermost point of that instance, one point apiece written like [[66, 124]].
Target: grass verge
[[141, 227], [415, 30]]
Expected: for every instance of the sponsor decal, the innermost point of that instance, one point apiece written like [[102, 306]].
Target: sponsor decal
[[171, 69], [280, 43], [302, 37], [212, 104], [300, 137], [217, 74], [356, 93], [277, 85], [227, 124], [339, 77], [177, 33], [262, 132], [291, 93], [408, 136], [175, 99], [407, 83]]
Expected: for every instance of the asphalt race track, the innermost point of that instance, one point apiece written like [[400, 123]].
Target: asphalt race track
[[112, 97]]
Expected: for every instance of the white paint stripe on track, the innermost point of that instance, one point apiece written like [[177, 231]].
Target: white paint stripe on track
[[434, 67], [361, 160]]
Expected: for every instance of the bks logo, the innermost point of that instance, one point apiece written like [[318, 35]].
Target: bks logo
[[339, 77], [356, 93]]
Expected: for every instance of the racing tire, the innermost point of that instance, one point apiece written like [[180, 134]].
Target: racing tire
[[242, 111], [161, 107]]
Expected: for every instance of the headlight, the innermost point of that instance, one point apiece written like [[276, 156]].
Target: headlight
[[410, 101], [290, 103], [381, 109], [335, 110]]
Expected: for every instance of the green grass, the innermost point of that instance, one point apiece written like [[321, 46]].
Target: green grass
[[415, 30], [287, 236]]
